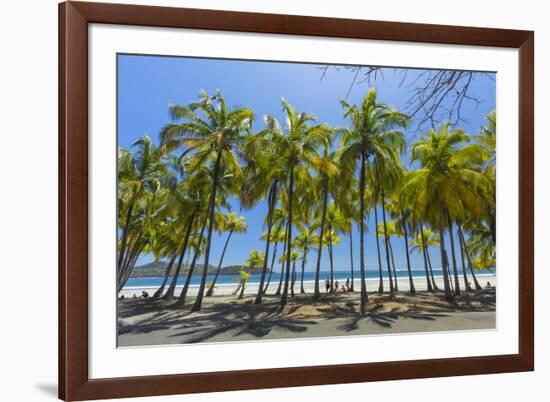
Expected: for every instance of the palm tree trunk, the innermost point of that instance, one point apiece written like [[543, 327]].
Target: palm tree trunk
[[412, 290], [463, 242], [122, 251], [280, 287], [167, 273], [243, 286], [462, 260], [448, 293], [131, 244], [364, 296], [330, 256], [183, 294], [392, 287], [172, 288], [453, 255], [351, 289], [302, 290], [317, 292], [289, 240], [293, 278], [396, 286], [380, 276], [434, 283], [198, 301], [429, 284], [210, 291], [271, 267], [130, 266], [272, 198]]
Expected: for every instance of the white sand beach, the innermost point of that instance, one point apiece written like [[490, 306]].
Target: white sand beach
[[252, 288]]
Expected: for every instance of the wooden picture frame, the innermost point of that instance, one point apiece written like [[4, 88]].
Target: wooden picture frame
[[74, 381]]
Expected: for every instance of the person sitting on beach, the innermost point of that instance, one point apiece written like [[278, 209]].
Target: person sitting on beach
[[327, 285], [343, 289], [144, 294], [488, 286], [121, 297]]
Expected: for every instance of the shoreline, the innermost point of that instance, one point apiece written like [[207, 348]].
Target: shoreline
[[226, 289]]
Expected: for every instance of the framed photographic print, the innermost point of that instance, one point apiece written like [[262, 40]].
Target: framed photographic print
[[261, 200]]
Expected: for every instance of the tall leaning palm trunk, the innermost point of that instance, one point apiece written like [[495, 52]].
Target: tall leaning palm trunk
[[386, 239], [364, 296], [455, 267], [467, 285], [331, 260], [351, 288], [172, 288], [272, 198], [271, 267], [124, 239], [429, 283], [396, 286], [412, 290], [463, 244], [280, 287], [210, 291], [317, 292], [304, 258], [167, 273], [183, 294], [284, 296], [198, 301], [380, 275], [449, 296]]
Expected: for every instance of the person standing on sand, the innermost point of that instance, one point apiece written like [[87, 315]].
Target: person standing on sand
[[327, 285], [347, 284]]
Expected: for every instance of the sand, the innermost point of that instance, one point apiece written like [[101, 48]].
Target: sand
[[224, 318]]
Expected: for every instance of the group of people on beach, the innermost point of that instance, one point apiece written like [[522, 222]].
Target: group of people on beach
[[344, 289]]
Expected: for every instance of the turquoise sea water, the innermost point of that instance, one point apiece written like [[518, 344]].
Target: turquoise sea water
[[228, 280]]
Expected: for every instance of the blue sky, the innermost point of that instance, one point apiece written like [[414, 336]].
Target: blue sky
[[147, 85]]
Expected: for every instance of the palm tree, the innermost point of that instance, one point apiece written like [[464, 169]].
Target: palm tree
[[323, 186], [429, 239], [277, 236], [480, 245], [305, 241], [335, 223], [372, 134], [464, 252], [138, 172], [255, 260], [294, 255], [232, 224], [447, 181], [299, 143], [264, 174], [391, 230], [210, 131], [403, 223], [189, 197], [349, 205]]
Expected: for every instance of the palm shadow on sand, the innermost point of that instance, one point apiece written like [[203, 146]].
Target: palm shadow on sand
[[235, 318], [238, 318]]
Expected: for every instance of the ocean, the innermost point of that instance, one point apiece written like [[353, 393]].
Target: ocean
[[341, 276]]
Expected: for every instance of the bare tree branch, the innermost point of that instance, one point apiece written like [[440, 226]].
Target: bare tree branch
[[434, 96]]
